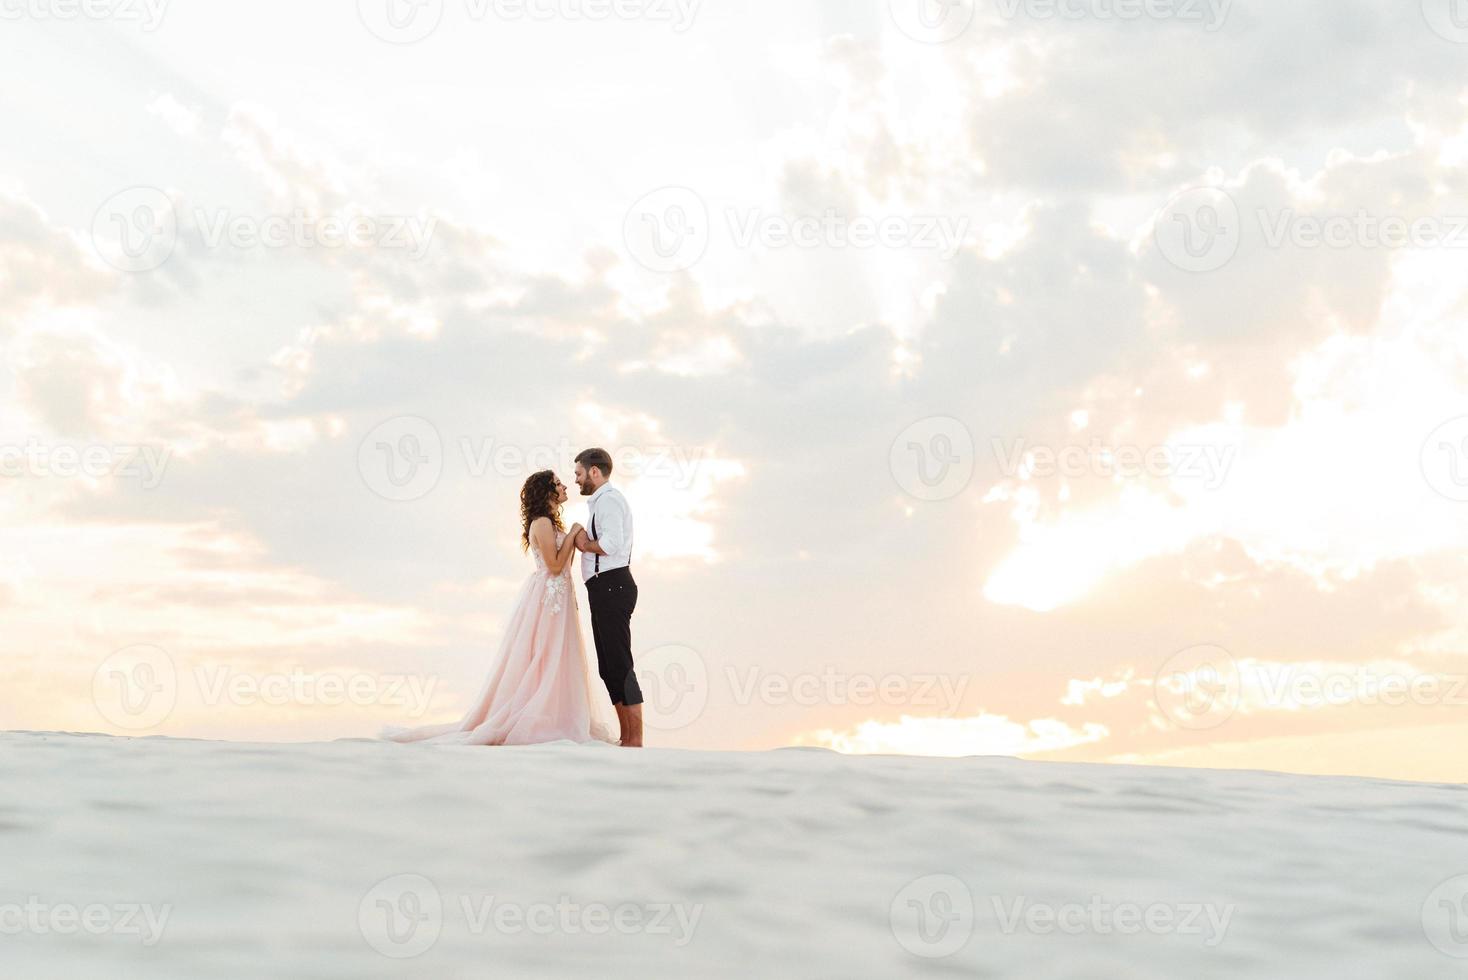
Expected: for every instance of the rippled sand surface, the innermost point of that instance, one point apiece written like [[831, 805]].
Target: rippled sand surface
[[173, 858]]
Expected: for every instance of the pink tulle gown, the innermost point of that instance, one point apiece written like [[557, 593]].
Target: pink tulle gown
[[540, 688]]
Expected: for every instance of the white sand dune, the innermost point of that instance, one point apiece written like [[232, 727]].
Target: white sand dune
[[172, 858]]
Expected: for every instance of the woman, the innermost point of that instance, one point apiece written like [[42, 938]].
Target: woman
[[538, 689]]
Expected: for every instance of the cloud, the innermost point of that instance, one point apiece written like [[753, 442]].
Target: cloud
[[72, 385], [769, 383], [984, 734], [178, 117], [41, 264]]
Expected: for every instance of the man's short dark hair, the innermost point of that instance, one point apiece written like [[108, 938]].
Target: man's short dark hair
[[599, 458]]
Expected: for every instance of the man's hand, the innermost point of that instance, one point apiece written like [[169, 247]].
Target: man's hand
[[583, 540]]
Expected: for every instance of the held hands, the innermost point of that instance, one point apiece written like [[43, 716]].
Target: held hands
[[583, 540], [575, 533]]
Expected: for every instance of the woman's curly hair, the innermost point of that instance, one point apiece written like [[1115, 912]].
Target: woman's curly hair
[[538, 498]]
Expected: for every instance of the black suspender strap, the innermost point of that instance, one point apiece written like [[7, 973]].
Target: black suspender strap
[[596, 563]]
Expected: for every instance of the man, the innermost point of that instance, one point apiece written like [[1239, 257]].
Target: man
[[606, 568]]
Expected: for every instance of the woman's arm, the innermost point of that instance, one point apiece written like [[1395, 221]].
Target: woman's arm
[[543, 536]]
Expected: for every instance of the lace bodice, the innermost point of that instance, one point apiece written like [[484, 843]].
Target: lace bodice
[[540, 559], [557, 587]]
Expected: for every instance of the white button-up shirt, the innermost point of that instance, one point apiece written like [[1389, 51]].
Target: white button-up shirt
[[611, 517]]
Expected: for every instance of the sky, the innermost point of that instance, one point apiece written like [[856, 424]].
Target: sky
[[1082, 381]]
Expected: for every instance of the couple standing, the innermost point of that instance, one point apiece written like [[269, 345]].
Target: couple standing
[[539, 687]]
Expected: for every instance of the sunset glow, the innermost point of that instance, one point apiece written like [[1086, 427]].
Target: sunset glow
[[969, 365]]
